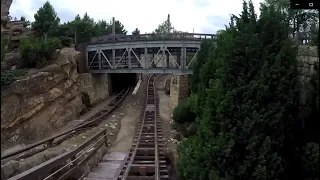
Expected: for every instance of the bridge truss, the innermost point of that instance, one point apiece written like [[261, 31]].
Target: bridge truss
[[147, 53]]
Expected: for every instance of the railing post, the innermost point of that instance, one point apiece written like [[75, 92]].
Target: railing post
[[113, 58], [50, 143], [163, 56], [146, 65], [129, 57], [99, 57]]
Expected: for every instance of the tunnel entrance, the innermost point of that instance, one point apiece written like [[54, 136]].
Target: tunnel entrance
[[121, 81]]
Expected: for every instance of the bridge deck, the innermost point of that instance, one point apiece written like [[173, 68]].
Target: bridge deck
[[147, 53]]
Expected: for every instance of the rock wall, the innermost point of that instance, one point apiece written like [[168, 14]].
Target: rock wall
[[5, 6], [34, 107], [179, 89], [308, 58]]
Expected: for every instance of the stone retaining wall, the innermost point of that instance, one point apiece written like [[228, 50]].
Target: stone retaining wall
[[308, 58], [179, 89]]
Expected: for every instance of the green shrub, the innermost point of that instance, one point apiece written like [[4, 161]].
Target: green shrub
[[7, 77], [36, 52], [186, 129], [66, 41], [183, 113]]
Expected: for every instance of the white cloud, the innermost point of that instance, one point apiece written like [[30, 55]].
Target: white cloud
[[185, 15]]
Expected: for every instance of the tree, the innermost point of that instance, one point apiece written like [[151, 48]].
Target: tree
[[84, 28], [101, 28], [248, 88], [119, 28], [302, 23], [46, 20], [26, 23], [164, 27], [136, 32]]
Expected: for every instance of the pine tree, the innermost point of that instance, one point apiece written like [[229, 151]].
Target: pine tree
[[251, 97], [136, 32], [46, 20], [119, 28]]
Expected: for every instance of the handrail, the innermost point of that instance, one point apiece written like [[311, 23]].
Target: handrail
[[75, 163], [50, 140], [44, 168], [149, 37]]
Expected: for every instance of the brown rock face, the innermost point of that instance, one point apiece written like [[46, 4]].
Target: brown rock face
[[45, 101], [5, 6]]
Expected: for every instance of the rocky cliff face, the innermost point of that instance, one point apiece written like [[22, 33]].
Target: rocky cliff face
[[5, 6], [36, 106]]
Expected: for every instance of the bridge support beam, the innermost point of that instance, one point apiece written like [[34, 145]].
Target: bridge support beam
[[172, 56], [183, 59], [113, 58], [129, 57], [99, 58], [163, 56]]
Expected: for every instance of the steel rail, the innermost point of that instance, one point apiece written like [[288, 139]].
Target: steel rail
[[97, 118], [141, 166], [41, 170]]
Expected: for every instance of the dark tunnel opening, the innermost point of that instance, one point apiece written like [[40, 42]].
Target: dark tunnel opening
[[121, 81]]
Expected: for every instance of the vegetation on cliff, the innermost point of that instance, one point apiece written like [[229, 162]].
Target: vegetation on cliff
[[246, 97], [38, 52]]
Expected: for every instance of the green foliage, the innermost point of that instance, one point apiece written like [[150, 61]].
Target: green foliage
[[136, 32], [182, 113], [246, 95], [310, 161], [37, 52], [26, 23], [119, 28], [84, 28], [7, 77], [186, 129], [202, 58], [302, 23], [164, 27], [66, 41], [46, 20]]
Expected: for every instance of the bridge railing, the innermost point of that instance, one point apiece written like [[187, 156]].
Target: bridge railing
[[150, 37]]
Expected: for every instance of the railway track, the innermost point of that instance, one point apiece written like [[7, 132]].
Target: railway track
[[146, 159], [99, 117], [57, 139]]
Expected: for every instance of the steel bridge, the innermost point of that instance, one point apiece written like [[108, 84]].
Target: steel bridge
[[171, 53]]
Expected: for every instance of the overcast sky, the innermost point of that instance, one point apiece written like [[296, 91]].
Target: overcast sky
[[204, 16]]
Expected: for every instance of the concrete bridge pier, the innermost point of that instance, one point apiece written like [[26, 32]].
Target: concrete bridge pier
[[179, 89]]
